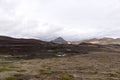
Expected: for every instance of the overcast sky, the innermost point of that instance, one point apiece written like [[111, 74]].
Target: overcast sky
[[70, 19]]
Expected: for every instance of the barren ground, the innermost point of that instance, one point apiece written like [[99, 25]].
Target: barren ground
[[92, 66]]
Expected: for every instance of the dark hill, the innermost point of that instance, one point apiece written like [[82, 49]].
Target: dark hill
[[38, 48], [59, 40]]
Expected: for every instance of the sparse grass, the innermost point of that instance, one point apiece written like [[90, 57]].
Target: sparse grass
[[13, 66], [36, 76], [46, 71], [111, 74], [20, 79], [10, 78], [22, 70], [91, 66], [3, 69], [23, 62], [67, 77]]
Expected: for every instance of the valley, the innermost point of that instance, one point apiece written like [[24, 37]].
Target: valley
[[31, 59]]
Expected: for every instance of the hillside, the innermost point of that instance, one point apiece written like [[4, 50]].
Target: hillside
[[104, 41], [42, 49], [31, 59], [35, 47], [101, 41]]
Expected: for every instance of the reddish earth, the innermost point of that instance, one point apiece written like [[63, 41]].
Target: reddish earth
[[101, 41]]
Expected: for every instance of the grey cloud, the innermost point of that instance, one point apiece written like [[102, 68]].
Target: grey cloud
[[71, 19]]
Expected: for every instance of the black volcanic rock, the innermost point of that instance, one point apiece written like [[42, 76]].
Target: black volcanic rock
[[36, 48], [21, 46], [42, 49], [59, 40]]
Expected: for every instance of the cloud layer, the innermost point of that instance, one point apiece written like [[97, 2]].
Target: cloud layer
[[70, 19]]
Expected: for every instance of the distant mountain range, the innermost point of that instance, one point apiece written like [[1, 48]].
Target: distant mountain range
[[102, 41]]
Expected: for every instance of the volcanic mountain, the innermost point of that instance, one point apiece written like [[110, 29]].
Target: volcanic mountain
[[59, 40]]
